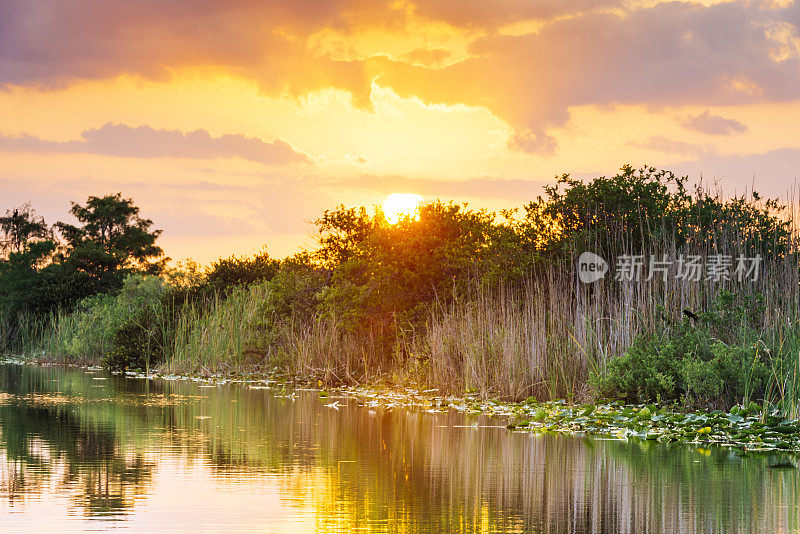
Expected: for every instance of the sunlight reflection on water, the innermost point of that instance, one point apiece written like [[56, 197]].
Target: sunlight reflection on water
[[171, 456]]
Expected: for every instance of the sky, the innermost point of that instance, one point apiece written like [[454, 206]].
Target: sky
[[233, 124]]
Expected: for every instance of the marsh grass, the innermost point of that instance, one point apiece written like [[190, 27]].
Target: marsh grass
[[545, 335], [210, 337], [322, 348], [239, 332], [44, 336]]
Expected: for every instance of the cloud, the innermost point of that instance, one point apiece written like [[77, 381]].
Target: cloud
[[662, 144], [481, 14], [428, 56], [51, 45], [146, 142], [713, 124], [580, 52], [358, 159], [671, 54], [527, 140]]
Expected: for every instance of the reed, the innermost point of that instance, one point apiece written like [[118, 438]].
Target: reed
[[213, 336], [545, 338], [543, 335], [235, 332]]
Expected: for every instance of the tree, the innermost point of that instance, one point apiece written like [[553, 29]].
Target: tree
[[113, 240], [625, 212], [40, 275], [19, 226], [227, 273], [640, 208], [21, 278], [341, 232], [394, 270]]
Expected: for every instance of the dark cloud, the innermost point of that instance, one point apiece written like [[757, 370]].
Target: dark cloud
[[713, 124], [480, 14], [146, 142], [669, 54], [50, 44]]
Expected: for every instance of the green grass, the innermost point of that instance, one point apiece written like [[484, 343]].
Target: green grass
[[546, 336]]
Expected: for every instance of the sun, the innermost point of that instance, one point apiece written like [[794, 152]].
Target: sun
[[397, 205]]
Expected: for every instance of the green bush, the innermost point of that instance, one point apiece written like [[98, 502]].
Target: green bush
[[719, 361], [227, 273], [100, 318], [134, 345], [647, 372]]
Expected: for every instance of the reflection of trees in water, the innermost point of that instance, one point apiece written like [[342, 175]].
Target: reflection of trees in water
[[112, 486], [419, 467], [383, 470], [48, 447], [387, 467]]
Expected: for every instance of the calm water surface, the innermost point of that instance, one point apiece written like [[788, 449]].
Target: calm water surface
[[82, 451]]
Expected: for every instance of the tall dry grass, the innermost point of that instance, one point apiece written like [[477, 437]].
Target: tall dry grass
[[542, 336], [545, 337]]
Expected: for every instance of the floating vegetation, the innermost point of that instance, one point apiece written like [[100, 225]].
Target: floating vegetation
[[750, 428]]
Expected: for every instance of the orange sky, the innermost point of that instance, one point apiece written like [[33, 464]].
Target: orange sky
[[233, 124]]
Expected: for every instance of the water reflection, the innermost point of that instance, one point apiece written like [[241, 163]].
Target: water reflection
[[48, 445], [80, 447]]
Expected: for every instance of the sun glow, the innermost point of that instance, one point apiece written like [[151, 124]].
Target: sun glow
[[398, 205]]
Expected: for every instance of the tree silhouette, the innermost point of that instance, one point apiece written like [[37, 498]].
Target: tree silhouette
[[113, 237], [19, 226]]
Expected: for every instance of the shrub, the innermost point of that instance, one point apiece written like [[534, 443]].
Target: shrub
[[718, 361], [100, 318], [228, 273], [647, 372], [134, 345]]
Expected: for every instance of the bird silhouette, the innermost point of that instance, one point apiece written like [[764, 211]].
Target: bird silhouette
[[691, 315]]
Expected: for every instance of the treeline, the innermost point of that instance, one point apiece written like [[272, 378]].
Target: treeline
[[454, 298], [45, 268]]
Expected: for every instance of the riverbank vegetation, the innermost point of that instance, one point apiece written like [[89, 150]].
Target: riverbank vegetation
[[699, 306]]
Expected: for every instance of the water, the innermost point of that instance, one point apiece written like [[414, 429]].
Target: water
[[84, 451]]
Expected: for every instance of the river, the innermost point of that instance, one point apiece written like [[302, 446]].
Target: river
[[87, 451]]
